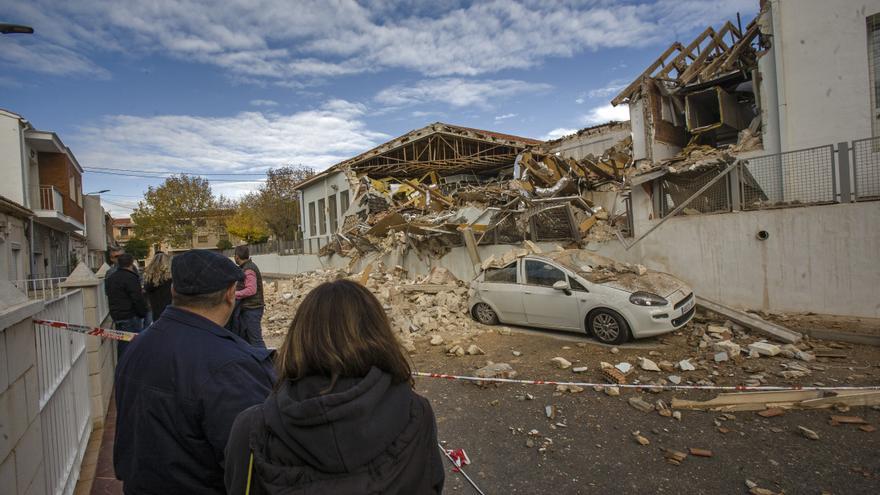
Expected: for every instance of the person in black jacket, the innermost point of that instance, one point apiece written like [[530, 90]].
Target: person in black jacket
[[343, 418], [157, 283], [183, 381], [125, 298]]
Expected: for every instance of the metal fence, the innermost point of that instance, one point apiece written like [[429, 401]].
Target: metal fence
[[866, 169], [813, 176], [62, 388], [277, 246]]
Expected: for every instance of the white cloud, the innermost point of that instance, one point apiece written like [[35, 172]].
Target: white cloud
[[610, 89], [264, 103], [505, 116], [456, 91], [558, 133], [606, 113], [243, 143], [270, 39]]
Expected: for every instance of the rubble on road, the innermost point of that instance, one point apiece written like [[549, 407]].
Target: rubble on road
[[496, 370], [808, 433], [561, 362], [794, 399], [640, 404]]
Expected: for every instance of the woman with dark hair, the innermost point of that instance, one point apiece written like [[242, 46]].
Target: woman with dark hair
[[344, 418]]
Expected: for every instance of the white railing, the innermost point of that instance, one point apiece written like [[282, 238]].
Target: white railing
[[51, 199], [62, 369], [41, 288], [102, 306]]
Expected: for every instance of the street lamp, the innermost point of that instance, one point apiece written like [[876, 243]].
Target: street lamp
[[15, 29], [98, 192]]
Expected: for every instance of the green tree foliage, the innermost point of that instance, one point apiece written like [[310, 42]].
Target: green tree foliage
[[224, 244], [276, 200], [248, 222], [168, 212], [137, 247]]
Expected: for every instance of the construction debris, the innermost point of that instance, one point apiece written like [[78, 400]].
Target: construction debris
[[808, 433], [794, 399], [749, 321]]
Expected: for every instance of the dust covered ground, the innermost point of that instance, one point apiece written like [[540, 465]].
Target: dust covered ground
[[589, 446]]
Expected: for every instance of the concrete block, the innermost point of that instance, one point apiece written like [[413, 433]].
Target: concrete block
[[4, 373], [29, 455], [21, 350], [13, 416], [32, 391], [7, 475], [94, 358], [90, 317]]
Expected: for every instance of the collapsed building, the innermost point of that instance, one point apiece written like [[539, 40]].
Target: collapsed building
[[444, 186]]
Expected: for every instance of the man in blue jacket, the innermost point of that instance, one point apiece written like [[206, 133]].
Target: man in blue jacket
[[182, 382]]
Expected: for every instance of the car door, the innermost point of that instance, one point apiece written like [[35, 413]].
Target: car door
[[501, 290], [545, 306]]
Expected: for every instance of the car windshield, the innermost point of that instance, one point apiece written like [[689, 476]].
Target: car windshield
[[502, 275]]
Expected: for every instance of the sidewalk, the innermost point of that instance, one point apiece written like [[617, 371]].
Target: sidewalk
[[97, 476]]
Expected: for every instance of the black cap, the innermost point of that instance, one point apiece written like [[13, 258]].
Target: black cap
[[198, 271]]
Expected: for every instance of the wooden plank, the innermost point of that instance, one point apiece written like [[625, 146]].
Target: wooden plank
[[748, 398], [770, 329], [471, 243], [627, 92], [869, 398]]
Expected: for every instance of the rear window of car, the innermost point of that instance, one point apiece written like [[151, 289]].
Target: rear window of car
[[540, 273], [506, 275]]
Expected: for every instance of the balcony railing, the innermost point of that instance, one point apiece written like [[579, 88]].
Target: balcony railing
[[51, 199]]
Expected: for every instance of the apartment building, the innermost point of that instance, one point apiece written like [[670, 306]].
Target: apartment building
[[43, 177]]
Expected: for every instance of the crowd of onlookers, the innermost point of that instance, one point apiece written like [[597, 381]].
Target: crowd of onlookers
[[204, 407]]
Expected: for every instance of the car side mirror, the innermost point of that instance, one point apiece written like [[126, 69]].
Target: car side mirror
[[563, 286]]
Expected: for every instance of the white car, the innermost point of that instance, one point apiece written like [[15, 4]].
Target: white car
[[580, 291]]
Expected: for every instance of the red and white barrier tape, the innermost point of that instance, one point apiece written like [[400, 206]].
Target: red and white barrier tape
[[737, 388], [107, 333]]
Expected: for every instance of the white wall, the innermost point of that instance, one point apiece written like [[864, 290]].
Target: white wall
[[322, 189], [14, 249], [96, 229], [12, 185], [591, 142], [819, 258], [822, 70]]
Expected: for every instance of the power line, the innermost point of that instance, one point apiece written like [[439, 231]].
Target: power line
[[169, 172], [142, 176]]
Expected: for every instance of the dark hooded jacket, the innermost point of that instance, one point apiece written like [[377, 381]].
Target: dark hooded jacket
[[366, 436]]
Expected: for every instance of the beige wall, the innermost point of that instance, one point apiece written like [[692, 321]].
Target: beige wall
[[14, 249]]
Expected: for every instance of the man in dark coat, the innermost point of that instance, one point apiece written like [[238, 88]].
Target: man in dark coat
[[182, 382], [125, 298]]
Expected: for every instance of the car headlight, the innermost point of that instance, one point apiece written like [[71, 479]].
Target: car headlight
[[647, 299]]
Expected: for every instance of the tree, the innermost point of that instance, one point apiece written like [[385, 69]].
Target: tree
[[224, 244], [277, 200], [169, 211], [137, 247], [248, 222]]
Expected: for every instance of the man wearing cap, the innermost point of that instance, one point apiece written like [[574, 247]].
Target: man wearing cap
[[182, 382]]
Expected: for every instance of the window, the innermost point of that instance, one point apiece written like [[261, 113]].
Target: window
[[333, 214], [123, 232], [874, 70], [506, 275], [312, 223], [201, 222], [575, 285], [72, 185], [203, 239], [322, 216], [544, 274], [343, 203]]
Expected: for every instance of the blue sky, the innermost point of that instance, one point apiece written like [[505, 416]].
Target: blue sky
[[242, 86]]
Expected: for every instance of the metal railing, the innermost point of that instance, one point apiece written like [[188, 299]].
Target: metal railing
[[51, 199], [814, 176], [282, 247], [41, 288], [866, 169], [62, 388]]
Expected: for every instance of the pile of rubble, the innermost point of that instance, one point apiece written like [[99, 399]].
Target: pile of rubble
[[433, 303], [541, 196]]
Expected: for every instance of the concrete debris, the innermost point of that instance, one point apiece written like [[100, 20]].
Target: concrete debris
[[573, 389], [808, 433], [648, 365], [720, 357], [561, 362], [579, 369], [675, 457], [623, 367], [640, 439], [764, 348], [771, 413], [496, 370], [676, 415], [474, 350], [614, 350], [675, 379], [611, 391], [640, 404], [613, 375], [436, 340], [455, 350], [516, 353], [727, 346], [699, 452], [761, 491], [550, 411], [409, 347], [685, 365]]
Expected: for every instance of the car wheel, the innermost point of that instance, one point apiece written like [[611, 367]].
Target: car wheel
[[607, 326], [484, 314]]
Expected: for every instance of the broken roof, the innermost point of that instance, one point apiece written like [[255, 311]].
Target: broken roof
[[712, 54], [444, 148]]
